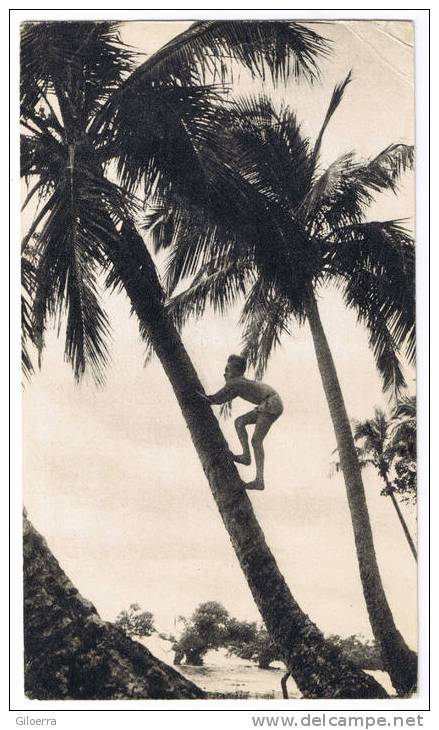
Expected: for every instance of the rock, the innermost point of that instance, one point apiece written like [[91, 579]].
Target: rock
[[71, 653]]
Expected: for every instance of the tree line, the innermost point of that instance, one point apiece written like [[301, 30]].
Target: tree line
[[211, 627]]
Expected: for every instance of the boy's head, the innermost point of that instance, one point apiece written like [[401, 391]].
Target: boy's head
[[235, 367]]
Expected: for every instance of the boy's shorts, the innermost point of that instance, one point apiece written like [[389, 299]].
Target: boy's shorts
[[271, 405]]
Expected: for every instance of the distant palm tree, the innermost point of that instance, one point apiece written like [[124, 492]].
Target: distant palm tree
[[89, 123], [378, 449], [275, 230], [404, 427], [404, 442]]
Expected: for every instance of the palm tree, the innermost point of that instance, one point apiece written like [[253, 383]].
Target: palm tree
[[404, 442], [403, 427], [87, 126], [277, 229], [378, 449]]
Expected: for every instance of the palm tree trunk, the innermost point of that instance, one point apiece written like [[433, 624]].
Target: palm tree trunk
[[316, 665], [399, 661], [70, 653], [390, 491]]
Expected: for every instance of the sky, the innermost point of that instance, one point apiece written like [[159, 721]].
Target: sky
[[111, 478]]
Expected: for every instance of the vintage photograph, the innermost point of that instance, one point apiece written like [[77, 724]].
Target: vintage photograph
[[218, 356]]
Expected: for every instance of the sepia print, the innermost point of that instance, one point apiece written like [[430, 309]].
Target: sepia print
[[219, 396]]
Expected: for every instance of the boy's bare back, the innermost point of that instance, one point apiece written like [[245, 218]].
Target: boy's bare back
[[240, 387]]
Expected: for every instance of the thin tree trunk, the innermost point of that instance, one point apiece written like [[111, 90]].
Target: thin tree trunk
[[316, 664], [400, 661], [390, 491], [283, 684]]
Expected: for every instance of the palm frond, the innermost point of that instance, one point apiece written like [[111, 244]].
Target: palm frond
[[368, 305], [265, 318], [384, 170], [325, 188], [196, 240], [159, 224], [33, 190], [342, 193], [32, 232], [335, 100], [44, 157], [266, 141], [405, 408], [71, 255], [42, 120], [27, 334], [374, 264], [219, 284], [280, 48]]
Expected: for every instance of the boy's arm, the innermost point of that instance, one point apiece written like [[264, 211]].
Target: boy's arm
[[228, 392]]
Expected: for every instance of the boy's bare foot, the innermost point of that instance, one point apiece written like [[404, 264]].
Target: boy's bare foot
[[256, 484], [242, 459]]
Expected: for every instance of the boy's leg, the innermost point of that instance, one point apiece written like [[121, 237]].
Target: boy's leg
[[263, 424], [241, 424]]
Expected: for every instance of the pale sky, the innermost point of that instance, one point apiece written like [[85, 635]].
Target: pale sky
[[112, 479]]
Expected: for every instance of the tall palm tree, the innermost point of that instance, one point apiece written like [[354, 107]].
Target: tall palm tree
[[81, 114], [378, 449], [277, 229]]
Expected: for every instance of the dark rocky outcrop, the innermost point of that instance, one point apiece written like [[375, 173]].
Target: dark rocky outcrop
[[71, 653]]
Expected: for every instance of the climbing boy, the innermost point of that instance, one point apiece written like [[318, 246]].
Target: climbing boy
[[268, 409]]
